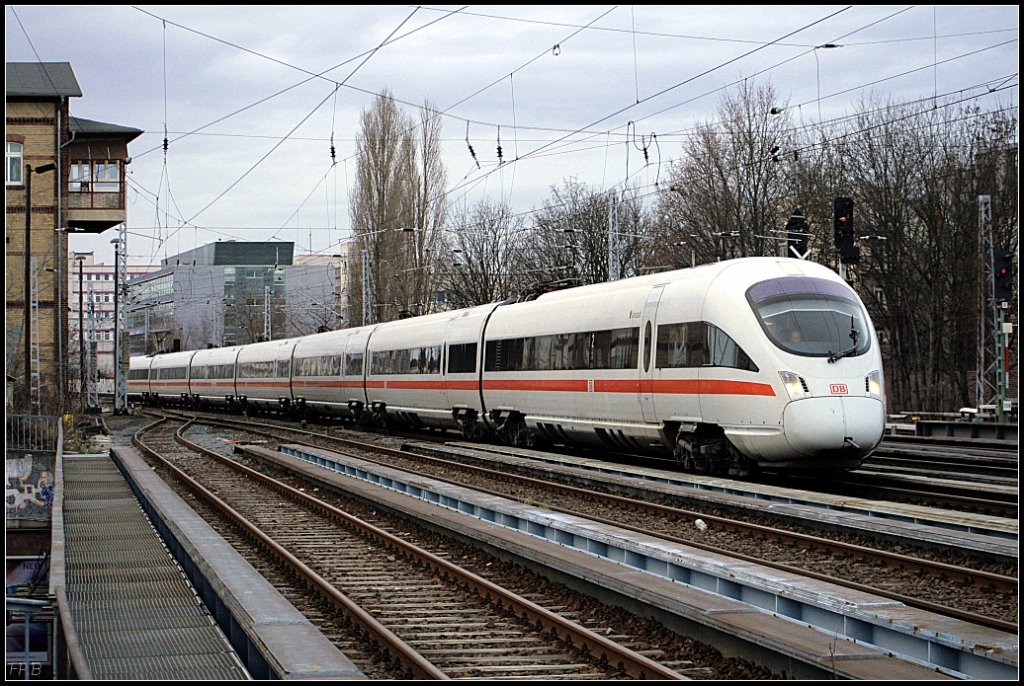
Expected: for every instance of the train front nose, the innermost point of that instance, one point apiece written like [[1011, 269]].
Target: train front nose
[[842, 427]]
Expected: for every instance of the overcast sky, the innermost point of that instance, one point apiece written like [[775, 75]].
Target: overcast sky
[[250, 96]]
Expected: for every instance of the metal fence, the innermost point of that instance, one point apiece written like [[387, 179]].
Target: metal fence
[[33, 432], [33, 446]]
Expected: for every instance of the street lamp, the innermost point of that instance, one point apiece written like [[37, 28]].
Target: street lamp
[[81, 328], [27, 327]]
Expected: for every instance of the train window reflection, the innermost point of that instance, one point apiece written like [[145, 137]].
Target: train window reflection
[[607, 349], [697, 344], [815, 326], [422, 360], [810, 316], [353, 364]]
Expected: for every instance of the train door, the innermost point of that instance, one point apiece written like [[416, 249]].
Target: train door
[[445, 357], [648, 328]]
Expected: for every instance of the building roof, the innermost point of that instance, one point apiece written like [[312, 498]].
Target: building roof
[[41, 80], [228, 253], [87, 127]]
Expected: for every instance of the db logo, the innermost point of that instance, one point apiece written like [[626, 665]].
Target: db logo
[[839, 389]]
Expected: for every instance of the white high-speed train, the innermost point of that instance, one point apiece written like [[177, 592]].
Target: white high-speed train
[[757, 362]]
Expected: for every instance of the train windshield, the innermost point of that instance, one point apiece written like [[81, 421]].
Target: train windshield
[[811, 317]]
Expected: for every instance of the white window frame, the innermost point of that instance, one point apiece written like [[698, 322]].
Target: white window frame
[[15, 163], [79, 177]]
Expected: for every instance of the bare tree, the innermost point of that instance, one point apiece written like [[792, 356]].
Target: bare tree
[[915, 174], [724, 192], [430, 210], [398, 208], [486, 245], [570, 235]]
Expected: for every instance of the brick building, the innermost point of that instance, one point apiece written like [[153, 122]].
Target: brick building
[[63, 175]]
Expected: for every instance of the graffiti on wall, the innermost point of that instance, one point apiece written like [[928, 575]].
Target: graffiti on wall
[[29, 489]]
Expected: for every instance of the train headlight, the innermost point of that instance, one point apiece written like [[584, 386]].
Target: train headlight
[[873, 384], [795, 385]]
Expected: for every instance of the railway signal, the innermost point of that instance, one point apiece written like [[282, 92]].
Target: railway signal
[[842, 218], [797, 231], [1003, 271]]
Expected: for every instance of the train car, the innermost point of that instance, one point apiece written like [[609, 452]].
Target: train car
[[138, 379], [327, 372], [696, 362], [564, 367], [212, 377], [263, 375], [424, 371], [168, 378]]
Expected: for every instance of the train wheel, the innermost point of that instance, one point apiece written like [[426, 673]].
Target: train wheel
[[514, 432], [683, 452]]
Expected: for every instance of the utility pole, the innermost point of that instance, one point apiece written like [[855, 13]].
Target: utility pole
[[988, 335], [267, 329], [120, 273], [367, 286], [93, 399], [614, 257], [81, 330]]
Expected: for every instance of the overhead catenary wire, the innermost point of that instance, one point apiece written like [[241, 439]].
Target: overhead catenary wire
[[546, 152], [236, 236], [304, 119], [680, 83], [312, 75]]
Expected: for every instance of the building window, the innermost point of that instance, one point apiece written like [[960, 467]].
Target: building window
[[97, 177], [107, 177], [79, 177], [15, 163]]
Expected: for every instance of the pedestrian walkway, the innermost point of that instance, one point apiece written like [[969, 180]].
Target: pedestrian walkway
[[136, 615]]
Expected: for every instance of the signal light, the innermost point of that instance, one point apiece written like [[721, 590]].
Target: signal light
[[842, 221], [1003, 272], [843, 218]]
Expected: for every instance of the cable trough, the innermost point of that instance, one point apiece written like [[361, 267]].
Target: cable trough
[[948, 645]]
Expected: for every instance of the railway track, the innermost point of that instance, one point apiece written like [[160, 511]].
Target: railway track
[[944, 473], [432, 617], [946, 587], [982, 461], [902, 487]]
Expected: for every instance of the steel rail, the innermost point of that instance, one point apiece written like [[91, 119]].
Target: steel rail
[[976, 577], [614, 654], [407, 655]]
